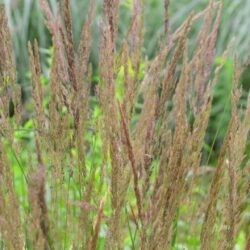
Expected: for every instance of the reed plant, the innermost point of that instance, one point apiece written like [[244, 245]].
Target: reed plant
[[123, 167]]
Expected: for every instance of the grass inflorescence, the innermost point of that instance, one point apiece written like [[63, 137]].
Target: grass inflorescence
[[121, 164]]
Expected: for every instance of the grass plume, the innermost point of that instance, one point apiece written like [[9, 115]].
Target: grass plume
[[121, 163]]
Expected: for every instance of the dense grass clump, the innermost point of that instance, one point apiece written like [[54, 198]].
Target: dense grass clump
[[123, 165]]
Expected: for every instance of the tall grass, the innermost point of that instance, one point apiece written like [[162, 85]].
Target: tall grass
[[26, 23], [122, 168]]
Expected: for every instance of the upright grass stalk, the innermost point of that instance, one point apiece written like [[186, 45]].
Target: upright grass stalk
[[136, 143]]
